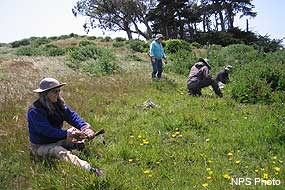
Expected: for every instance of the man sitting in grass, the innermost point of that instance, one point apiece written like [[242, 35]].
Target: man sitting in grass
[[45, 122], [200, 77]]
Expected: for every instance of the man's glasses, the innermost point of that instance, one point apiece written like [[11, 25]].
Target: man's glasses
[[55, 91]]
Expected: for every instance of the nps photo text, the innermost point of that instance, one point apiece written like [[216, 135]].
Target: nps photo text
[[256, 181]]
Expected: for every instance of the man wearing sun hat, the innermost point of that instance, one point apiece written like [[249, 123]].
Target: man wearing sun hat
[[156, 54], [45, 123], [200, 77]]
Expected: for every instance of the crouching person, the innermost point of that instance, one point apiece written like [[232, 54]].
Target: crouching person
[[200, 77], [45, 122], [223, 76]]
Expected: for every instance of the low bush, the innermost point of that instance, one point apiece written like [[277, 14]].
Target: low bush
[[118, 44], [138, 45], [173, 46], [19, 43], [92, 60], [181, 62]]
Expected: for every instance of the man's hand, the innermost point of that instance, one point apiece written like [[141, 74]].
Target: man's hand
[[165, 61], [90, 134], [74, 135]]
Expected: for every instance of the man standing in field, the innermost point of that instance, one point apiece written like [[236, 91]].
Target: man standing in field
[[156, 55]]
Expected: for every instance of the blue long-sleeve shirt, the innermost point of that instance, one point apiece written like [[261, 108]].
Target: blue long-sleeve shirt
[[41, 131], [156, 50]]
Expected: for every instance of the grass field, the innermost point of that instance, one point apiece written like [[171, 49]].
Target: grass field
[[183, 143]]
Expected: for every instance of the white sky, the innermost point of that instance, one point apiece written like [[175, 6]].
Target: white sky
[[21, 19]]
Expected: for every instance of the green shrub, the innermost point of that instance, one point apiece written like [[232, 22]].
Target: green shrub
[[120, 39], [28, 51], [195, 45], [36, 42], [83, 53], [52, 50], [173, 46], [19, 43], [181, 62], [86, 43], [91, 37], [118, 44], [138, 45], [92, 60]]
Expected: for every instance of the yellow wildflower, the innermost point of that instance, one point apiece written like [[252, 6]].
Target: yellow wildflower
[[131, 160], [146, 172], [205, 184], [209, 177], [227, 176], [237, 162], [277, 169], [230, 154], [265, 176]]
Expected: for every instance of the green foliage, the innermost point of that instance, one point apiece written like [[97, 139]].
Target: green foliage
[[173, 46], [88, 58], [138, 45], [52, 50], [47, 50], [181, 62], [259, 81], [117, 44], [195, 45], [86, 43], [28, 51], [91, 37], [120, 39], [19, 43], [37, 42]]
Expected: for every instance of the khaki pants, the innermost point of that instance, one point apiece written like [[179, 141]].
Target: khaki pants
[[58, 150]]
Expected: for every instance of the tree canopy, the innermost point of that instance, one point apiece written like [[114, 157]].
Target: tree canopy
[[174, 19]]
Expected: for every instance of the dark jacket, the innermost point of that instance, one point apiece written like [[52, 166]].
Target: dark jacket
[[45, 128], [222, 76]]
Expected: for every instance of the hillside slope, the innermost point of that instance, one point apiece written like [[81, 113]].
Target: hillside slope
[[183, 143]]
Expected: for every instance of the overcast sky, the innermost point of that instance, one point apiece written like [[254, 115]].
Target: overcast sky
[[26, 18]]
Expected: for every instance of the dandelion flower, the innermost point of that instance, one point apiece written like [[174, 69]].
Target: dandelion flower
[[265, 176], [146, 172], [227, 176], [205, 184], [277, 169], [230, 154]]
